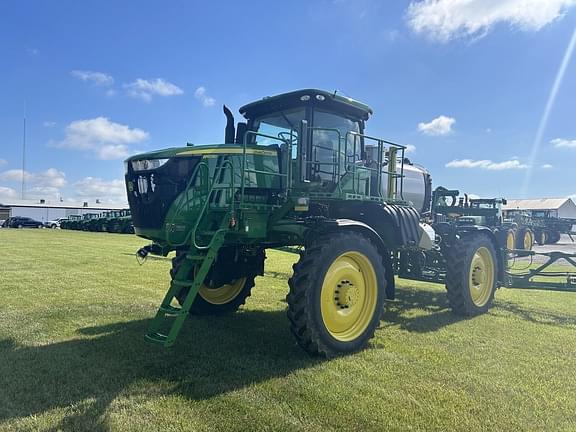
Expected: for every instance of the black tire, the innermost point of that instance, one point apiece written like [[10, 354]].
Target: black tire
[[553, 237], [541, 237], [305, 306], [521, 235], [459, 263], [202, 306], [506, 238]]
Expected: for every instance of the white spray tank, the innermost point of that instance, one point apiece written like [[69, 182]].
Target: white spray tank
[[416, 182]]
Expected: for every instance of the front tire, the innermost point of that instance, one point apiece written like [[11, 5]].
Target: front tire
[[337, 294], [471, 275], [524, 239], [215, 301]]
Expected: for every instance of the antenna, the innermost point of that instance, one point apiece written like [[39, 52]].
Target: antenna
[[24, 153]]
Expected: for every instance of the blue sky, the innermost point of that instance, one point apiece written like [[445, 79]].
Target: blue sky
[[465, 82]]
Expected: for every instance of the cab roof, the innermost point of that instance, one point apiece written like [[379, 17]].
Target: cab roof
[[331, 101]]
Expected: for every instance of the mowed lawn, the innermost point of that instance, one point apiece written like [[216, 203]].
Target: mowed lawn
[[75, 307]]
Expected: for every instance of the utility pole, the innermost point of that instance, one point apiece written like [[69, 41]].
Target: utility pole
[[24, 154]]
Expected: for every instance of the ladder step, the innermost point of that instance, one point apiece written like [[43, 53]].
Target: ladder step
[[158, 338], [182, 283], [171, 310], [195, 257]]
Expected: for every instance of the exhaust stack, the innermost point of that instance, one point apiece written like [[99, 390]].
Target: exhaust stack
[[229, 132]]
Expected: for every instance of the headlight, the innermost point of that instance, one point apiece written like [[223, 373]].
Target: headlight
[[148, 164]]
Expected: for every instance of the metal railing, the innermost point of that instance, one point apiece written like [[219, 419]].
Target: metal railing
[[201, 174], [340, 162], [287, 174]]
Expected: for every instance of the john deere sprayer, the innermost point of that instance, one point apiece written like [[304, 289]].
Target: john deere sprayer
[[298, 171]]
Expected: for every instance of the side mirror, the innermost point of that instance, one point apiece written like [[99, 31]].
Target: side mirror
[[304, 149]]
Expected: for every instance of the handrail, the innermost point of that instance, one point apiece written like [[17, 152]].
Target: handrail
[[287, 175], [352, 138], [207, 201], [193, 178], [203, 167]]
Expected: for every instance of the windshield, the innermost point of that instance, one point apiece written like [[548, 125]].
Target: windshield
[[282, 125]]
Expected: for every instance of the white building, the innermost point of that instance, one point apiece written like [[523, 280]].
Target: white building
[[44, 211], [555, 207]]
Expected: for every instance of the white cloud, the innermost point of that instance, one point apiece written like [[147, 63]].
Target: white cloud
[[443, 20], [203, 97], [49, 178], [92, 188], [104, 138], [563, 143], [97, 78], [146, 89], [44, 184], [441, 125], [486, 164], [547, 166], [7, 193], [410, 148], [49, 124]]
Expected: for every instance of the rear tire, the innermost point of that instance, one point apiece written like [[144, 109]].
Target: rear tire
[[471, 274], [541, 237], [215, 301], [337, 294], [553, 237]]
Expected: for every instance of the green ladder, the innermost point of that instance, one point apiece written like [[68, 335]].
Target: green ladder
[[179, 281]]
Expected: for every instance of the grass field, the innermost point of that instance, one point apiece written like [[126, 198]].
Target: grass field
[[75, 306]]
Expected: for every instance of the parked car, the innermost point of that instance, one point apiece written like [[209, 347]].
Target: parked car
[[21, 222], [2, 221], [55, 223]]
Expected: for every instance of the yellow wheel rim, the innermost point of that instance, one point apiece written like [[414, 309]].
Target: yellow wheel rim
[[224, 294], [510, 240], [528, 240], [349, 296], [481, 276]]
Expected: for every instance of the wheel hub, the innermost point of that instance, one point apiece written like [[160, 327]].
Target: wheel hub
[[345, 294], [478, 275]]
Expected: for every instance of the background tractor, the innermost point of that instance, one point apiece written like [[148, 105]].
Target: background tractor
[[300, 171], [547, 228]]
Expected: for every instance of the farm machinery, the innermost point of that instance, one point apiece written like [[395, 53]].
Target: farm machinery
[[115, 221], [452, 214], [121, 222], [546, 227], [300, 171]]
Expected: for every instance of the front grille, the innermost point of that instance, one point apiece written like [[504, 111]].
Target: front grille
[[151, 193]]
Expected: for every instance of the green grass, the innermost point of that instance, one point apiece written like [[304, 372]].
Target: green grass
[[72, 355]]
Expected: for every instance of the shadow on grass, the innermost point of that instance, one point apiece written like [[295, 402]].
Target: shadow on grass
[[213, 356], [420, 311], [538, 316]]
